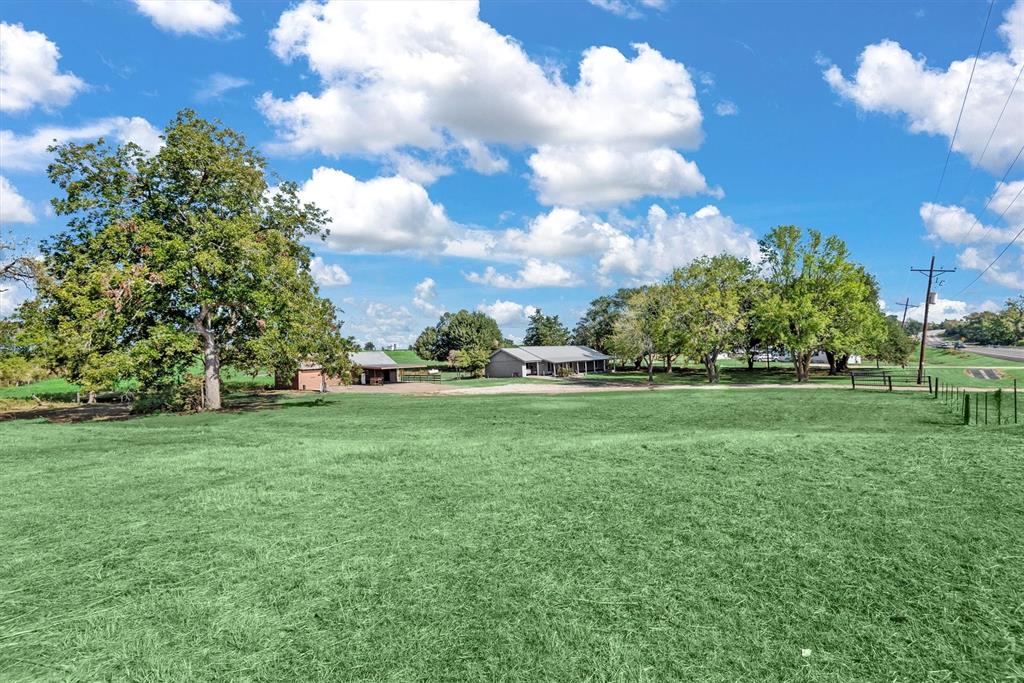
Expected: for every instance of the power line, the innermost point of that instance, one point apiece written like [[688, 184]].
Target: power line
[[998, 256], [1001, 112], [963, 103], [977, 217]]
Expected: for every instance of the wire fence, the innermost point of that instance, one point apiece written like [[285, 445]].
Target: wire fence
[[973, 405], [977, 406]]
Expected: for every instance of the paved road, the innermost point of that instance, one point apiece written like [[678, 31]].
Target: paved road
[[1011, 353], [1014, 353]]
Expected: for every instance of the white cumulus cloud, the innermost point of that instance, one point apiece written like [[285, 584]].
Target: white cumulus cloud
[[12, 296], [1008, 271], [956, 225], [13, 207], [28, 152], [667, 241], [328, 274], [422, 74], [383, 323], [198, 17], [979, 242], [598, 175], [507, 312], [949, 309], [378, 215], [533, 273], [425, 297], [890, 80], [29, 74]]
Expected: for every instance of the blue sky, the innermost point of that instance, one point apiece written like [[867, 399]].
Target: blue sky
[[467, 163]]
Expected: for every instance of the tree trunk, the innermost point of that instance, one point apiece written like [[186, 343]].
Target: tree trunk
[[92, 397], [650, 368], [711, 365], [843, 363], [668, 363], [211, 361], [802, 363], [831, 362], [750, 361]]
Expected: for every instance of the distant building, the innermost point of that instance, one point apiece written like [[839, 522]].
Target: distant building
[[523, 361], [373, 367], [377, 367], [819, 357]]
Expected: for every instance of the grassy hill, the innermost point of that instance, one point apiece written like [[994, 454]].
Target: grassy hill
[[812, 535], [409, 356]]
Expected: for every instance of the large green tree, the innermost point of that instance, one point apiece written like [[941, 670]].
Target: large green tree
[[708, 307], [465, 330], [806, 275], [857, 324], [183, 254], [893, 345], [596, 327], [425, 345], [545, 330], [752, 336], [1013, 318], [645, 329]]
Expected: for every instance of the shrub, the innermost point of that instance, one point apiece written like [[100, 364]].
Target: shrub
[[16, 370], [564, 371], [184, 397]]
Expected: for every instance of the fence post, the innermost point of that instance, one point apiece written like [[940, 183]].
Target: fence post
[[853, 380], [999, 406], [977, 407], [967, 409], [986, 407], [1015, 401]]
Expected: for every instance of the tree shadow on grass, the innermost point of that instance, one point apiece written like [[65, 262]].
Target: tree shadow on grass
[[94, 412], [698, 377], [118, 411]]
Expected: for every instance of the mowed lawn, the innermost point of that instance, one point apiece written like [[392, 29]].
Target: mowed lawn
[[691, 535]]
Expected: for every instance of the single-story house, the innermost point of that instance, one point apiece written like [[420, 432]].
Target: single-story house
[[522, 361], [373, 367]]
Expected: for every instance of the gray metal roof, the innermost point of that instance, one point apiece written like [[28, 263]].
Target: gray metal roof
[[374, 359], [554, 354], [519, 353]]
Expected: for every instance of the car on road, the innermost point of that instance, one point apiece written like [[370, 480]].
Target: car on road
[[945, 345], [959, 345]]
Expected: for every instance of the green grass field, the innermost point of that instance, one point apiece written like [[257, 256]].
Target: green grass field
[[683, 535], [409, 356]]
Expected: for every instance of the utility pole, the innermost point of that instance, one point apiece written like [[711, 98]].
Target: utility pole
[[906, 305], [932, 272]]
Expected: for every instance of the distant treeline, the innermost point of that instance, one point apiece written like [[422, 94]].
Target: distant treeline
[[1000, 328]]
